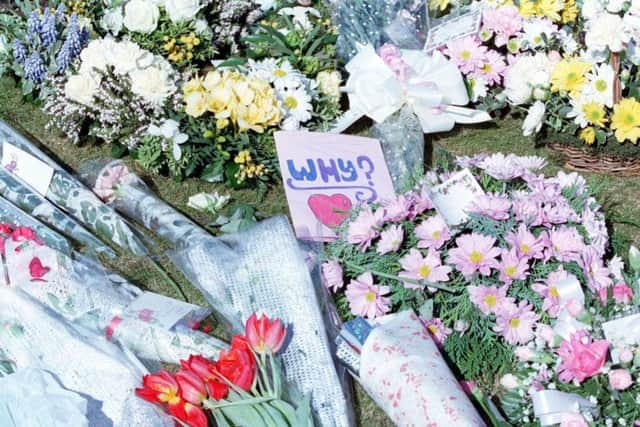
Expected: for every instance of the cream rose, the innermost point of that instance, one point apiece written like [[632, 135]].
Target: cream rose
[[93, 56], [329, 83], [127, 56], [153, 84], [141, 16], [182, 10], [112, 20], [81, 88]]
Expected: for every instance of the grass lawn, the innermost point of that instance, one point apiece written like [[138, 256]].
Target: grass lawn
[[619, 193]]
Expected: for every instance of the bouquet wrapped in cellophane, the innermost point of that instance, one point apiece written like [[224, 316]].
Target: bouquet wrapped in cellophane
[[241, 274], [33, 336], [82, 291]]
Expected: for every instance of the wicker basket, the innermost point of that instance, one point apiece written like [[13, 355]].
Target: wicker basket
[[583, 159]]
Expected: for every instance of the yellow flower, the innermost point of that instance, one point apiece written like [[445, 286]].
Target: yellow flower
[[193, 85], [569, 12], [588, 135], [569, 76], [438, 4], [594, 113], [550, 9], [527, 8], [626, 120], [196, 103]]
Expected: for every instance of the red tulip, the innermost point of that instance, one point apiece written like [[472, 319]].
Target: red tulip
[[237, 364], [192, 415], [206, 370], [265, 334], [160, 388], [192, 388]]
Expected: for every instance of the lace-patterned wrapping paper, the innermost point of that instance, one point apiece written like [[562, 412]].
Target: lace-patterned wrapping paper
[[83, 292], [263, 269], [32, 336], [402, 369]]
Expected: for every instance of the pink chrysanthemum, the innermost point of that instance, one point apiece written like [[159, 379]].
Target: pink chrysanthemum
[[420, 202], [438, 330], [489, 299], [332, 275], [397, 209], [598, 276], [365, 298], [390, 239], [466, 52], [474, 252], [492, 68], [504, 21], [429, 268], [516, 322], [365, 227], [549, 291], [565, 244], [526, 244], [433, 233], [513, 267], [494, 206]]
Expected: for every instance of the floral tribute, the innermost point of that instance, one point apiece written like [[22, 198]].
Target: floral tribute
[[186, 87], [518, 296], [242, 387]]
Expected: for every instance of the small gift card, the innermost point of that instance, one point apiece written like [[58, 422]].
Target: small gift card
[[617, 332], [453, 197], [159, 310], [453, 27], [326, 175], [28, 168]]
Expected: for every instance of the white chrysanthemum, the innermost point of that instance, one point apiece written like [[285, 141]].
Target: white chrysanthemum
[[606, 31], [478, 87], [615, 6], [527, 73], [533, 122], [569, 43], [278, 72], [153, 84], [537, 30], [591, 8], [297, 106], [577, 112], [600, 86]]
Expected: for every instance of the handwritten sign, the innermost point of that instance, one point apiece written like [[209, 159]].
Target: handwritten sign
[[453, 197], [29, 169], [325, 175]]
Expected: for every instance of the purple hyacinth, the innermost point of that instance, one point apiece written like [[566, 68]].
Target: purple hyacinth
[[33, 23], [48, 31], [34, 68], [72, 45], [60, 12], [19, 52]]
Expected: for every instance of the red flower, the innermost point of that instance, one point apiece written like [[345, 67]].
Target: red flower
[[37, 270], [160, 388], [21, 234], [192, 388], [265, 334], [237, 364], [6, 229], [192, 415], [207, 372]]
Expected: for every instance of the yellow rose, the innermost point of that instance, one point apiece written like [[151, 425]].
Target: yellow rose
[[212, 80], [196, 103]]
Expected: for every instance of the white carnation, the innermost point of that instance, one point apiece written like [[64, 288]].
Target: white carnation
[[533, 122], [153, 84], [93, 56], [607, 31], [141, 16], [527, 73], [112, 21], [127, 56], [81, 88]]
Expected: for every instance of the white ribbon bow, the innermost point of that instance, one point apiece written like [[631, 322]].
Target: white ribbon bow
[[550, 406], [434, 90], [568, 289]]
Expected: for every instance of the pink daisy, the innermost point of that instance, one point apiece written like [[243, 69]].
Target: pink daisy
[[365, 227], [549, 291], [365, 298], [397, 209], [492, 205], [566, 244], [438, 330], [513, 267], [474, 252], [429, 268], [420, 201], [466, 52], [433, 233], [489, 298], [526, 244], [492, 68], [516, 322], [390, 239], [598, 276]]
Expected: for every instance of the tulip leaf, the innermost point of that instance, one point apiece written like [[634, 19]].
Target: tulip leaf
[[287, 410], [303, 412]]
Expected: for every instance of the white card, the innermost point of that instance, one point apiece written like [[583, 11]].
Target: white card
[[28, 168], [453, 197], [451, 28], [159, 310], [617, 332]]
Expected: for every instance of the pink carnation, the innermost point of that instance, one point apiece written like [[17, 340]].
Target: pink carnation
[[429, 268], [581, 357], [365, 227], [504, 21], [620, 379], [516, 322], [433, 233], [622, 294], [365, 298], [474, 252], [110, 179]]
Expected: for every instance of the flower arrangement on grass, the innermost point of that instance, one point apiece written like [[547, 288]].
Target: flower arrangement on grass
[[517, 295]]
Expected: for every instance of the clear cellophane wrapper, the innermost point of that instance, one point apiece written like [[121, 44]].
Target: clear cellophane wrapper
[[402, 140], [261, 270], [402, 369], [401, 22], [82, 291], [33, 336]]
